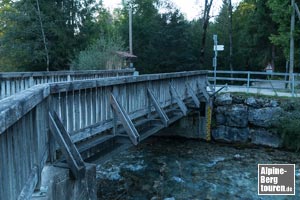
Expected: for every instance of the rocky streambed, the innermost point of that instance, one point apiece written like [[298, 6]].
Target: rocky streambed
[[177, 168]]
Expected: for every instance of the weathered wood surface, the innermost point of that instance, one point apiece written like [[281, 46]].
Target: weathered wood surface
[[67, 146], [15, 107], [163, 116], [29, 187], [14, 82], [125, 120], [84, 110], [23, 145]]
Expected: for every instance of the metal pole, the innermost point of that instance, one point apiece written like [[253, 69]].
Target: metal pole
[[215, 38], [292, 46], [248, 82], [293, 85], [130, 30]]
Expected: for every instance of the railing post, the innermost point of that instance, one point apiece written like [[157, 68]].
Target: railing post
[[31, 81], [293, 85], [248, 81]]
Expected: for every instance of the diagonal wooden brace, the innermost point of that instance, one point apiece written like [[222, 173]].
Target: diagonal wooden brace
[[204, 92], [30, 185], [192, 93], [162, 114], [125, 120], [180, 103], [68, 148]]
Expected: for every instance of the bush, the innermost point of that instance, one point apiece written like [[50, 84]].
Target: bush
[[289, 126], [100, 55]]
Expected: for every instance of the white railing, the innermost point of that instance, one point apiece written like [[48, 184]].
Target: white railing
[[247, 81]]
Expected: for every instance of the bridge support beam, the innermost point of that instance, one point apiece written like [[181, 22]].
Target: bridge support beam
[[180, 103], [68, 148], [125, 120], [30, 185], [204, 92], [162, 114], [193, 95]]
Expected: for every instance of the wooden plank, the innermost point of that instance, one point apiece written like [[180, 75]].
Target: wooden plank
[[78, 85], [102, 126], [15, 107], [178, 100], [193, 95], [93, 111], [46, 74], [77, 120], [30, 185], [125, 120], [10, 164], [82, 109], [89, 106], [68, 148], [8, 89], [204, 92], [158, 108], [3, 92]]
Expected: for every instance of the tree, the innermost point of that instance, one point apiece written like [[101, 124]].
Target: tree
[[43, 34], [252, 27], [100, 55], [205, 20], [287, 33], [46, 34]]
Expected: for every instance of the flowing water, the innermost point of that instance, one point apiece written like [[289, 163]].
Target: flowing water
[[177, 168]]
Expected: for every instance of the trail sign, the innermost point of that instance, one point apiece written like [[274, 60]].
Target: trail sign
[[218, 47]]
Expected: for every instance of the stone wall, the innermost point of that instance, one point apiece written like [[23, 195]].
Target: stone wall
[[59, 185], [246, 120]]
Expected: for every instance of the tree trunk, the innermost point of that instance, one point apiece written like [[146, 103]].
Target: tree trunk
[[273, 58], [291, 70], [43, 35], [207, 8]]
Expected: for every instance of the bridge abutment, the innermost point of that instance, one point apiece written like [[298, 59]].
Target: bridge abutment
[[192, 126], [57, 183]]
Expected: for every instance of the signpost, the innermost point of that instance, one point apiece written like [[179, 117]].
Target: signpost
[[216, 49]]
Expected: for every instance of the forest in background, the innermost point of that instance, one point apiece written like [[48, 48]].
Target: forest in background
[[40, 35]]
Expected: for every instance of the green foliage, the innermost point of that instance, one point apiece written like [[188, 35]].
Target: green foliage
[[100, 55], [252, 29], [281, 15], [289, 126], [163, 42], [69, 26]]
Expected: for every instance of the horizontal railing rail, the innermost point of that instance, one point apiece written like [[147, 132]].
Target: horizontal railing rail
[[275, 81], [14, 82], [84, 110]]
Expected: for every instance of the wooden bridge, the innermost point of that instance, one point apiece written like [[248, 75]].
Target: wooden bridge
[[14, 82], [73, 122]]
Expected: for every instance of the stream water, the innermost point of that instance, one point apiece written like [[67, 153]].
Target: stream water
[[177, 168]]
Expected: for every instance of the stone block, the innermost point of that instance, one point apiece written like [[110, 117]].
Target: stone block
[[58, 184], [230, 134], [265, 137]]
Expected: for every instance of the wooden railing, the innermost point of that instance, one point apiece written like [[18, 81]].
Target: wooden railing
[[84, 108], [277, 82], [14, 82]]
